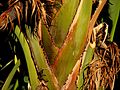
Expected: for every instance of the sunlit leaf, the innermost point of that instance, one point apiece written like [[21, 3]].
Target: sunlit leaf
[[75, 42], [30, 64]]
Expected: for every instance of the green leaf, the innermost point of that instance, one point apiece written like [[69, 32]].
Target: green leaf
[[41, 61], [114, 11], [10, 76], [6, 65], [16, 85], [75, 42], [30, 64], [62, 21], [87, 57], [48, 44]]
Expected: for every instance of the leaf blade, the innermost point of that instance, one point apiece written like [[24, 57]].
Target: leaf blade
[[41, 61], [75, 42], [30, 64], [62, 21], [114, 10], [10, 76]]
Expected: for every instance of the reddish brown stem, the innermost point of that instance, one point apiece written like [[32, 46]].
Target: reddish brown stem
[[95, 16]]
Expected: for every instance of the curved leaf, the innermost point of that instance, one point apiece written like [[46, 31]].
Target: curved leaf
[[30, 64], [10, 76]]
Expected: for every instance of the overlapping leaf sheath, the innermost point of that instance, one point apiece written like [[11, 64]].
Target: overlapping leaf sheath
[[62, 21], [74, 43], [41, 62]]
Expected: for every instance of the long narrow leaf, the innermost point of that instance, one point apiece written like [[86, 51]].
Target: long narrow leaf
[[31, 67], [62, 21], [41, 61], [10, 76], [75, 42], [49, 46], [87, 57], [114, 11]]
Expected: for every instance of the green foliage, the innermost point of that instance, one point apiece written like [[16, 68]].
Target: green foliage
[[10, 76], [50, 49], [63, 20], [41, 61], [87, 58], [75, 42], [114, 12], [30, 64], [51, 53]]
